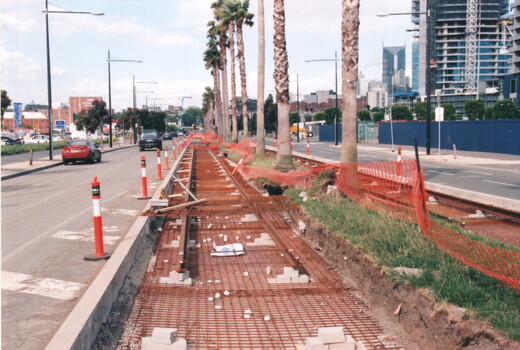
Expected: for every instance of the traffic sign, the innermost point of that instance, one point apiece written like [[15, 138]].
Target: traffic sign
[[35, 127], [60, 124]]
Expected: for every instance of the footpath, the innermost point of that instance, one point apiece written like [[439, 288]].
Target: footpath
[[11, 170]]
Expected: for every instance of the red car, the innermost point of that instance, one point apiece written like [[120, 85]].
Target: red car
[[80, 150]]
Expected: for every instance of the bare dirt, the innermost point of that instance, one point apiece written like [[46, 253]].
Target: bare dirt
[[424, 324]]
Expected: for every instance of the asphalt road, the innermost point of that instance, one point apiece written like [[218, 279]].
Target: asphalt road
[[47, 230], [494, 179]]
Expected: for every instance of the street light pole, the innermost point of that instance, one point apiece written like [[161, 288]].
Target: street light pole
[[110, 94], [134, 126], [336, 118], [49, 90], [429, 27], [428, 78]]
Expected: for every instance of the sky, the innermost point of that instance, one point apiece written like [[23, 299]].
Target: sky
[[169, 37]]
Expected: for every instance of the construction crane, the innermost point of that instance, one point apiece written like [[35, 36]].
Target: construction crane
[[471, 45]]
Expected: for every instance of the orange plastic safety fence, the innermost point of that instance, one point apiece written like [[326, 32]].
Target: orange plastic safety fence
[[397, 188], [244, 147]]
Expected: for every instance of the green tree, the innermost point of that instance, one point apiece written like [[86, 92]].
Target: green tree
[[190, 116], [270, 114], [449, 111], [504, 109], [92, 119], [318, 116], [400, 112], [378, 116], [293, 118], [363, 114], [420, 110], [6, 102], [474, 109], [330, 115], [488, 113]]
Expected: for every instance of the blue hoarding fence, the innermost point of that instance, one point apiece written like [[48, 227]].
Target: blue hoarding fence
[[494, 136]]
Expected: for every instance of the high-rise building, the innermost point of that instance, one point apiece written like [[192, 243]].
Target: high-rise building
[[394, 60], [511, 85], [467, 44]]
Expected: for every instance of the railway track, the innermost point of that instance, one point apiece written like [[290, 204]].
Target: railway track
[[230, 272]]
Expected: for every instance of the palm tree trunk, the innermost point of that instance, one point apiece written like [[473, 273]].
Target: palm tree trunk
[[231, 29], [243, 81], [218, 100], [260, 124], [225, 101], [281, 77], [349, 74]]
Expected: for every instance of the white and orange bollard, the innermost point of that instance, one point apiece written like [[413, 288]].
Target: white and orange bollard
[[98, 223], [399, 165], [173, 150], [144, 179], [274, 142], [166, 160], [159, 170], [308, 151]]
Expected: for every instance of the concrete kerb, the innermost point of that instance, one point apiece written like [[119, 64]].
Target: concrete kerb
[[39, 168], [82, 325]]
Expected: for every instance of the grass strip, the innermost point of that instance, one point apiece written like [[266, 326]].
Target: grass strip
[[8, 150], [393, 243]]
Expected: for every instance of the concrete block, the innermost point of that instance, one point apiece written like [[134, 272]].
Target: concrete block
[[348, 345], [301, 279], [163, 335], [179, 276], [290, 272], [178, 344], [315, 344], [175, 244], [331, 335]]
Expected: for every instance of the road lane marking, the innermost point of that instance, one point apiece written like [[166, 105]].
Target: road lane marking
[[478, 172], [47, 287], [471, 176], [501, 183], [129, 212], [61, 224], [84, 237], [440, 172]]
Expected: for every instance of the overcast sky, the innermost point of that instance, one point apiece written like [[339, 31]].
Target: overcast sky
[[169, 36]]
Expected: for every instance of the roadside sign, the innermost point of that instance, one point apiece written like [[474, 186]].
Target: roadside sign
[[60, 124], [439, 114], [17, 115], [35, 127]]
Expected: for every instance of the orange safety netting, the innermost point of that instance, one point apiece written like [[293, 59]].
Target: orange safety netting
[[397, 188]]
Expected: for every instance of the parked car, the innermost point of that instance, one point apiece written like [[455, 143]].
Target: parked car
[[150, 138], [180, 133], [167, 136], [38, 139], [174, 133], [80, 150], [9, 140]]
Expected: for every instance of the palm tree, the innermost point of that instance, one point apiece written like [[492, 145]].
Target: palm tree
[[260, 137], [208, 108], [212, 59], [242, 17], [281, 78], [349, 76], [226, 13], [222, 29]]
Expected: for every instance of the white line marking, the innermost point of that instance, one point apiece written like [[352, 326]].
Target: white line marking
[[83, 237], [440, 172], [129, 212], [47, 287], [501, 183], [473, 176], [478, 172], [61, 224]]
